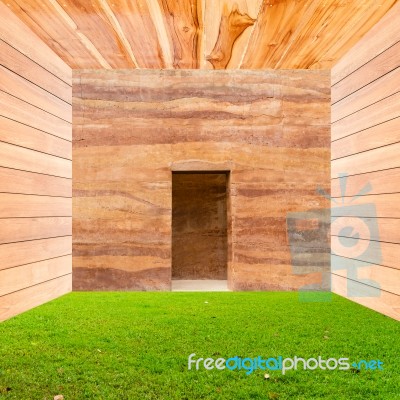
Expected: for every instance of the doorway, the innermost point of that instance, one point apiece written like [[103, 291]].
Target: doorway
[[199, 227]]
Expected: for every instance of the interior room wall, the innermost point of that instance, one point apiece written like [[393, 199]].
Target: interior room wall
[[366, 147], [35, 170], [132, 129]]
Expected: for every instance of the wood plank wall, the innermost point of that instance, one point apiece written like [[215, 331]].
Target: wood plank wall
[[366, 146], [271, 129], [35, 170]]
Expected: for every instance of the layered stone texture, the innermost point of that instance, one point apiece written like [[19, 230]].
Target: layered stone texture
[[133, 128]]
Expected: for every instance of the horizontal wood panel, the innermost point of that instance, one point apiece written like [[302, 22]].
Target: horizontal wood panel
[[23, 276], [30, 160], [26, 299], [22, 229], [386, 206], [387, 181], [380, 89], [19, 87], [25, 136], [382, 36], [375, 252], [17, 62], [374, 275], [34, 48], [388, 228], [14, 254], [387, 303], [20, 205], [27, 114], [367, 117], [16, 181], [369, 161], [374, 69], [377, 136]]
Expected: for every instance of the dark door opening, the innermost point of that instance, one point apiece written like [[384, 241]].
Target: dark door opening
[[199, 225]]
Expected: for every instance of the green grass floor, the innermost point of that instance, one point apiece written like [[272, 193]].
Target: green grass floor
[[136, 346]]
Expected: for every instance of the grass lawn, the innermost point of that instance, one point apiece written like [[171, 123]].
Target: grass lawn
[[136, 346]]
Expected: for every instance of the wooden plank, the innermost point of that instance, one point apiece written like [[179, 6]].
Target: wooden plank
[[387, 303], [25, 136], [21, 205], [368, 139], [13, 84], [374, 252], [388, 228], [94, 22], [369, 161], [16, 181], [34, 48], [382, 36], [27, 114], [382, 64], [55, 27], [228, 26], [21, 277], [386, 181], [343, 33], [14, 254], [22, 229], [33, 161], [26, 299], [277, 20], [378, 276], [184, 22], [367, 117], [385, 205], [139, 32], [22, 65], [378, 90]]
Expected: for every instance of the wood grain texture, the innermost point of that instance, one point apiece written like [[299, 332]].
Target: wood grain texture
[[35, 169], [378, 67], [386, 181], [380, 89], [367, 117], [24, 229], [21, 206], [184, 21], [27, 114], [365, 133], [369, 161], [233, 24], [158, 34], [16, 133], [368, 139], [387, 253], [12, 156], [383, 302], [21, 253], [379, 39], [269, 137], [33, 296], [19, 87], [388, 228], [28, 69], [20, 277], [15, 34], [213, 14]]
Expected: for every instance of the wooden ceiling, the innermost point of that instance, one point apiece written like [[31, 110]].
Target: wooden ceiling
[[247, 34]]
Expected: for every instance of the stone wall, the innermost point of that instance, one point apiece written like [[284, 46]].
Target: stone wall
[[132, 129]]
